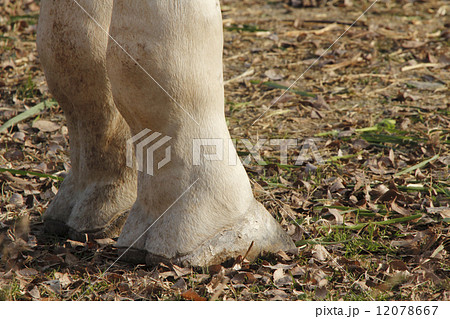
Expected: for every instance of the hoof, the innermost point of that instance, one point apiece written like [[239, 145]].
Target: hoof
[[257, 229], [111, 230], [98, 211]]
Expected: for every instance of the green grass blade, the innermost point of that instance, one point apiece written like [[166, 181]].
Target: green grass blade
[[26, 173], [420, 165], [283, 87], [379, 223], [319, 242], [329, 133], [245, 27], [343, 157], [28, 113]]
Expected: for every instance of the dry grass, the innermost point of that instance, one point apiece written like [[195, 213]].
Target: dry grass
[[371, 222]]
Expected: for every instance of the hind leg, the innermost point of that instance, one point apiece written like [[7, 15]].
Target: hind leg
[[99, 190]]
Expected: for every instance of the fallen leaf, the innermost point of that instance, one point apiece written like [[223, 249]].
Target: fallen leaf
[[180, 284], [192, 295], [277, 293], [215, 269], [27, 272], [321, 292], [181, 271], [239, 278], [105, 241], [16, 199], [399, 209], [64, 279], [280, 266], [34, 293], [320, 253], [53, 285], [339, 219], [426, 85], [398, 265], [274, 75], [412, 44], [443, 211], [46, 126]]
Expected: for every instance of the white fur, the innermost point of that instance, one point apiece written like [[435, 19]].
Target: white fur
[[179, 43]]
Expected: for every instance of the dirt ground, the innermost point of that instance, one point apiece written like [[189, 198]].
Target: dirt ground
[[365, 194]]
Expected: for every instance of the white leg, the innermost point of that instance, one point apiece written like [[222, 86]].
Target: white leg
[[100, 189], [179, 43]]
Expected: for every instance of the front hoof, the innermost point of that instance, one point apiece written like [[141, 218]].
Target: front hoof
[[256, 229]]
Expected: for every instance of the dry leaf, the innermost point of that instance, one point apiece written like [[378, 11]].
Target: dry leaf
[[274, 75], [27, 272], [53, 285], [192, 295], [339, 219], [320, 253], [46, 126], [401, 210], [180, 284], [34, 293]]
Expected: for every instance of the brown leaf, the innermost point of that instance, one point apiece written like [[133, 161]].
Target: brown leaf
[[419, 175], [53, 285], [251, 278], [298, 271], [64, 279], [443, 211], [105, 241], [274, 75], [14, 155], [337, 186], [337, 215], [16, 199], [278, 293], [360, 144], [398, 265], [215, 269], [19, 137], [71, 259], [180, 285], [412, 44], [181, 271], [27, 272], [279, 266], [286, 280], [34, 293], [321, 292], [75, 244], [319, 103], [388, 196], [46, 126], [216, 282], [167, 274], [320, 253], [283, 99], [239, 278], [295, 232], [192, 295], [115, 278], [123, 287], [401, 210]]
